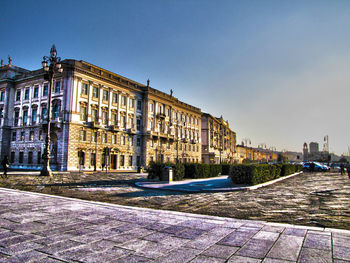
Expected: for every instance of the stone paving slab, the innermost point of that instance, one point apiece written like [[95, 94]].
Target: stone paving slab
[[41, 228]]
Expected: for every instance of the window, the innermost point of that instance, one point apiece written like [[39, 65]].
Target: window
[[2, 96], [26, 94], [105, 95], [151, 143], [40, 135], [34, 115], [122, 140], [104, 138], [45, 90], [122, 121], [139, 105], [13, 137], [131, 141], [131, 122], [84, 89], [12, 157], [94, 115], [83, 135], [55, 111], [94, 136], [151, 107], [138, 142], [115, 98], [95, 92], [38, 157], [18, 95], [58, 87], [36, 92], [25, 117], [105, 118], [138, 124], [43, 113], [123, 100], [31, 135], [130, 160], [83, 113], [131, 103], [93, 159], [81, 156], [114, 119], [121, 160], [20, 160], [114, 139], [30, 157]]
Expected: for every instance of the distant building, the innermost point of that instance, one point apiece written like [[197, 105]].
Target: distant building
[[218, 140], [314, 147]]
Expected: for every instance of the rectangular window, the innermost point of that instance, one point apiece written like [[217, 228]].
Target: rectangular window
[[83, 135], [26, 94], [123, 121], [138, 124], [123, 100], [139, 105], [130, 160], [92, 159], [114, 139], [38, 157], [105, 118], [151, 107], [30, 157], [105, 95], [138, 142], [94, 115], [2, 96], [131, 103], [40, 135], [55, 111], [36, 92], [121, 160], [104, 138], [20, 160], [25, 117], [34, 115], [114, 119], [94, 136], [12, 157], [58, 87], [13, 137], [131, 122], [84, 89], [43, 113], [83, 113], [45, 90], [131, 141], [95, 92], [115, 98], [18, 95], [31, 135]]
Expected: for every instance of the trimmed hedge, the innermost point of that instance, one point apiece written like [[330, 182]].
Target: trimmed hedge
[[260, 173], [155, 170]]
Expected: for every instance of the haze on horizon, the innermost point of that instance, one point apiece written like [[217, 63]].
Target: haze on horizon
[[276, 70]]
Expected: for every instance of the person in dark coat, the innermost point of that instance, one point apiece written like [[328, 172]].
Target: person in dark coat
[[5, 165], [342, 169]]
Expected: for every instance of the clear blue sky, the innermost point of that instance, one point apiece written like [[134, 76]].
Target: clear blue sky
[[276, 70]]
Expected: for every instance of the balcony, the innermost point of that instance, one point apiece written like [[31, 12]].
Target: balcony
[[94, 124], [161, 115], [114, 127], [132, 130]]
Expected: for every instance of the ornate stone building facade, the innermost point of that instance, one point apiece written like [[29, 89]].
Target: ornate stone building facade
[[99, 120], [218, 140]]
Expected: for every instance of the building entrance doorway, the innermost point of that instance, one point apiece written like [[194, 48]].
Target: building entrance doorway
[[113, 161]]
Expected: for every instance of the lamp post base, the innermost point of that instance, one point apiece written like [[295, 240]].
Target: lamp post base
[[46, 171]]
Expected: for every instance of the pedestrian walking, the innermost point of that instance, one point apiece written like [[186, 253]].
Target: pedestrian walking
[[342, 168], [5, 165]]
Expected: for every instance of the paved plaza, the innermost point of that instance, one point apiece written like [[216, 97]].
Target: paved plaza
[[42, 228]]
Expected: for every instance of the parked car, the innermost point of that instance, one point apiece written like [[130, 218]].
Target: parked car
[[319, 167]]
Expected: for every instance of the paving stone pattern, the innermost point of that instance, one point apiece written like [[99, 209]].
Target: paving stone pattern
[[41, 228]]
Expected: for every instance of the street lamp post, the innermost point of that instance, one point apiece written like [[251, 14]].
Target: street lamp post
[[51, 65]]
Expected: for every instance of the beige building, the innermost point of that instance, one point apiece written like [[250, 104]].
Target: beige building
[[218, 140], [99, 120]]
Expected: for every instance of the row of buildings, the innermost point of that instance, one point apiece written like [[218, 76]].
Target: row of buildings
[[100, 119]]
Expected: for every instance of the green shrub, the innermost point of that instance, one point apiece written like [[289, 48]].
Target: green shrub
[[226, 168], [215, 170], [260, 173], [155, 170]]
